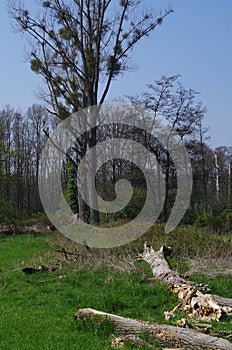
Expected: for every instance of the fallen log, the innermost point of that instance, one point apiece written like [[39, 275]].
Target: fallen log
[[160, 268], [206, 307], [181, 338]]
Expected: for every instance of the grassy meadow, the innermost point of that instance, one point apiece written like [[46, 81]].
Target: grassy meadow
[[37, 311]]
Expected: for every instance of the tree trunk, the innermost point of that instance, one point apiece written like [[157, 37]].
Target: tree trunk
[[83, 208], [94, 213], [201, 306], [168, 335]]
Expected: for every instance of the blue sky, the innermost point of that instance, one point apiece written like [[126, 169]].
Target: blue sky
[[195, 41]]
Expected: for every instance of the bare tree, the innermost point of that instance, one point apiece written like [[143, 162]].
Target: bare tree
[[169, 98], [80, 45]]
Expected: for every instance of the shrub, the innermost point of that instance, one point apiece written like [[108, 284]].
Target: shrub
[[224, 220], [204, 220], [9, 216]]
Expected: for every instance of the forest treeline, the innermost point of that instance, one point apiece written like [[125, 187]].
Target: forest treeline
[[23, 136]]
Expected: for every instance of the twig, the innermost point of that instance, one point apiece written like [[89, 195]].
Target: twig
[[48, 280]]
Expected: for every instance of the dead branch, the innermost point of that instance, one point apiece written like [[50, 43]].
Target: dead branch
[[45, 281]]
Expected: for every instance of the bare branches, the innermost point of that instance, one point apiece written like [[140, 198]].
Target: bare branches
[[83, 42]]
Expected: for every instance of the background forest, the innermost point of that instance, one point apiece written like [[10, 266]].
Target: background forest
[[23, 136]]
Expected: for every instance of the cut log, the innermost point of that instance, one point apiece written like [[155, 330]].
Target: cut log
[[206, 307], [184, 339]]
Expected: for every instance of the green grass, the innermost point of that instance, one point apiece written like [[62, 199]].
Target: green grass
[[18, 249], [41, 315], [219, 285]]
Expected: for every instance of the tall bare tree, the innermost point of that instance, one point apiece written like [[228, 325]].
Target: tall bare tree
[[79, 46]]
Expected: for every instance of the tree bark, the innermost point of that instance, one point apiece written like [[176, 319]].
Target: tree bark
[[201, 306], [168, 335]]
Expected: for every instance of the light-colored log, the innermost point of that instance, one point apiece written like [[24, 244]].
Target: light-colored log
[[205, 307], [168, 335]]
